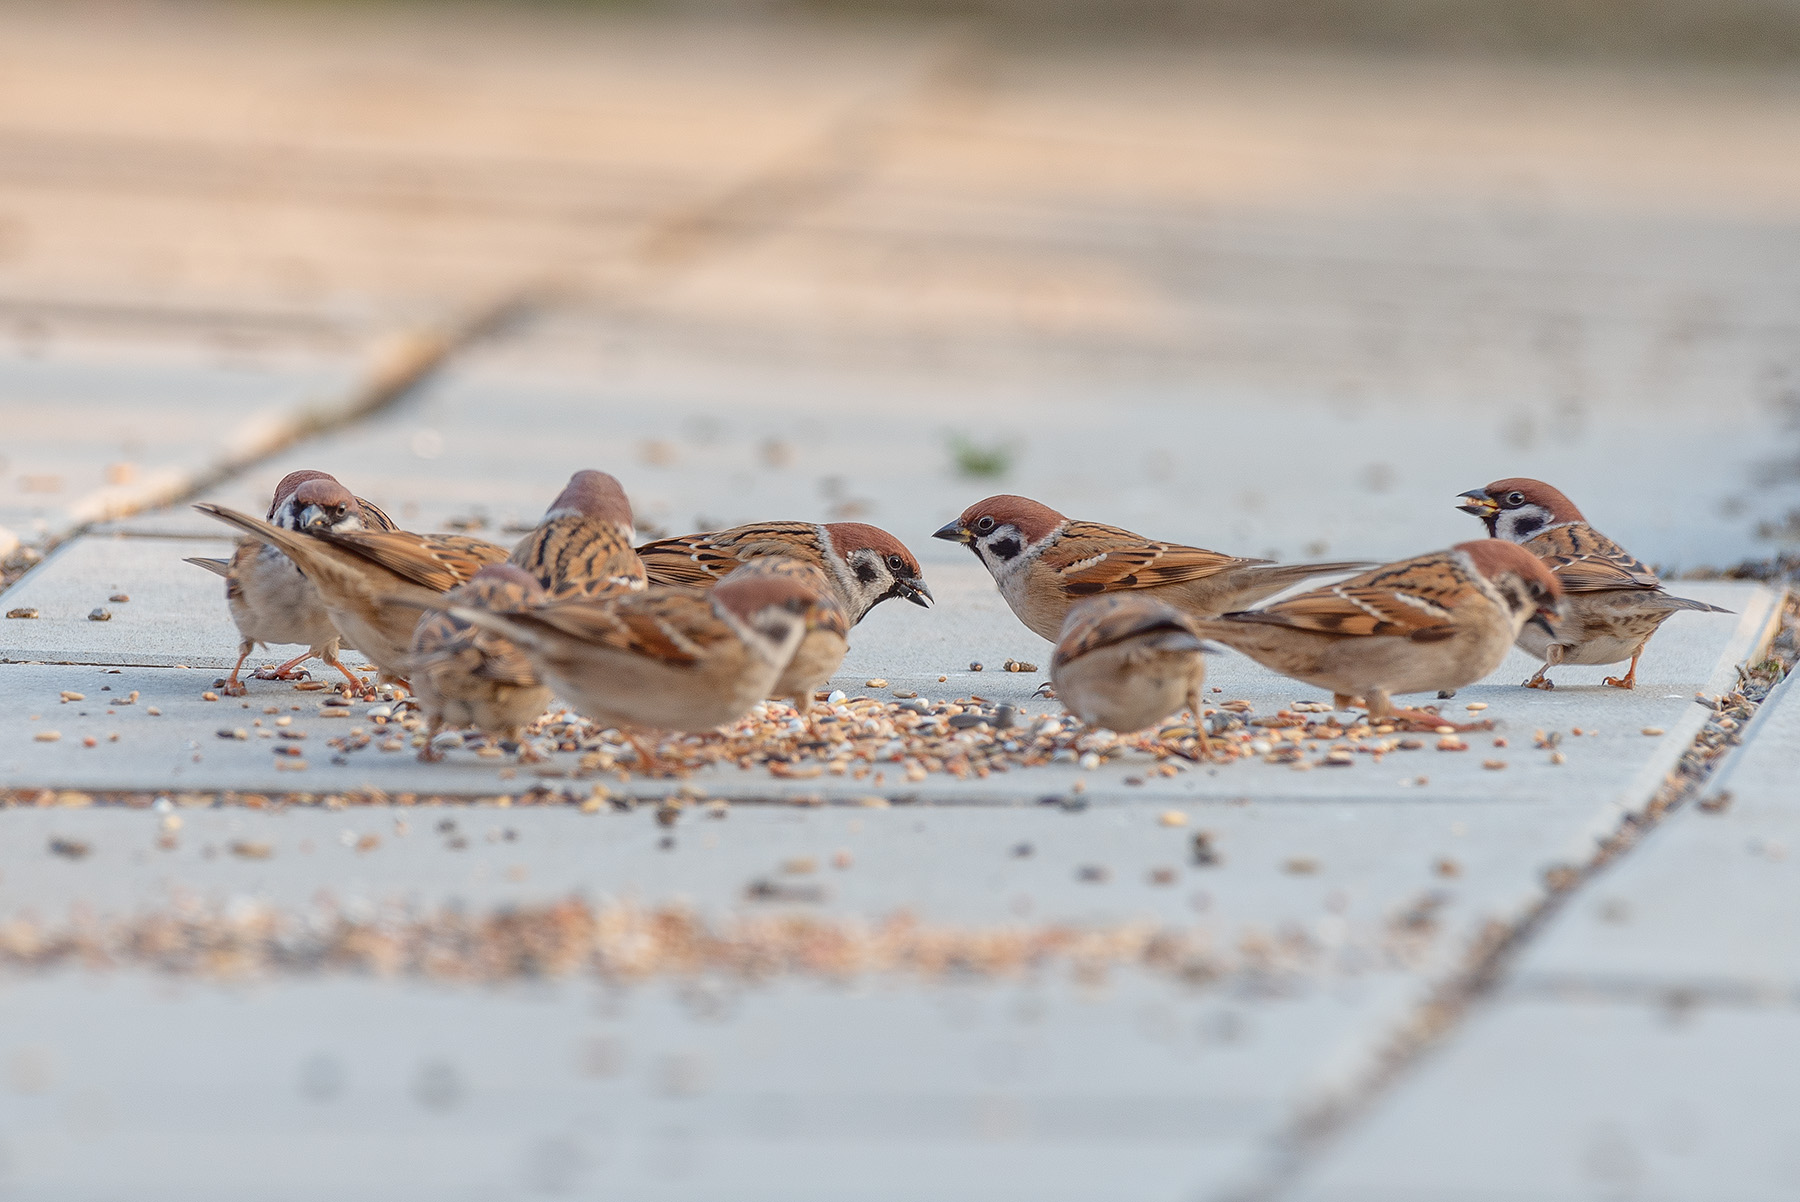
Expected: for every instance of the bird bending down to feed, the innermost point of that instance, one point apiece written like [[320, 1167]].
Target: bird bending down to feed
[[1127, 661]]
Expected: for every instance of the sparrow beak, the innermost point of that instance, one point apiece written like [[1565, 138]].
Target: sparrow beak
[[954, 532], [1480, 504], [915, 591], [314, 517]]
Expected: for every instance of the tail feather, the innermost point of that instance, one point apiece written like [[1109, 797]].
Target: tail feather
[[1263, 582], [1675, 602], [218, 567]]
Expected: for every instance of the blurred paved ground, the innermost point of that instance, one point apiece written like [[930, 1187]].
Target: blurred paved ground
[[1272, 304]]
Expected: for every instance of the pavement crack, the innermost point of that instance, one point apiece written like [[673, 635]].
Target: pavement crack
[[1499, 945]]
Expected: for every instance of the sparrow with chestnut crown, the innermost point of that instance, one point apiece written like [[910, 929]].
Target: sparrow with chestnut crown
[[1613, 602], [1044, 563], [1434, 622], [1126, 661]]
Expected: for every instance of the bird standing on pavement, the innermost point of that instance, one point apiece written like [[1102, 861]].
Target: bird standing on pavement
[[466, 676], [1613, 602], [1126, 661], [1044, 563], [271, 600], [357, 572], [1435, 622], [864, 564], [667, 658]]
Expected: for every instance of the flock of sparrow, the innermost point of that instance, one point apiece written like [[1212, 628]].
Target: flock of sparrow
[[688, 634]]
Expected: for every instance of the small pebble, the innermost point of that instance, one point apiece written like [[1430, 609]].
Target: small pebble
[[975, 666], [100, 615]]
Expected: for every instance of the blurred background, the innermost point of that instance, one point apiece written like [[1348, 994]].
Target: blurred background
[[1279, 278]]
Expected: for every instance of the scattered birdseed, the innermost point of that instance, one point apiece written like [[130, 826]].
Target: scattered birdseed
[[842, 859], [876, 683], [246, 850], [1653, 730], [209, 696], [23, 611], [72, 849], [1301, 866], [1205, 854], [1451, 743], [90, 741], [1447, 867], [800, 866], [1097, 874], [47, 736], [153, 711], [119, 598], [68, 697], [942, 679], [975, 666], [1173, 818], [1493, 765], [1476, 705], [1162, 876], [1018, 665], [100, 615]]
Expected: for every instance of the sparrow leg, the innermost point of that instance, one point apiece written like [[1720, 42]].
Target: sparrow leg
[[649, 763], [285, 671], [232, 687], [335, 662], [1629, 680], [429, 754], [1553, 655], [1199, 725]]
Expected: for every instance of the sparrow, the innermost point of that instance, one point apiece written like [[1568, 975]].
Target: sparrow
[[1125, 661], [1438, 621], [465, 676], [1044, 563], [270, 599], [865, 565], [1614, 602], [826, 642], [582, 547], [356, 572], [668, 658]]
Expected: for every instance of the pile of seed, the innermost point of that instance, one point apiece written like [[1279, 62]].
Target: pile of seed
[[625, 942]]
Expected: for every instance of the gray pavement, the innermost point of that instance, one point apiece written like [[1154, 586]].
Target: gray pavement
[[1272, 304], [1642, 1044]]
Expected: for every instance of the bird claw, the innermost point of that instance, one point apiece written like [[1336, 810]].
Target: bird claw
[[272, 672], [1621, 682], [1540, 681]]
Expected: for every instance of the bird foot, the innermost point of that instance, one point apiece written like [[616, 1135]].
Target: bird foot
[[232, 688], [1628, 681], [1540, 681], [272, 672]]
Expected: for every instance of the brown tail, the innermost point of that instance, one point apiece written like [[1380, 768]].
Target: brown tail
[[312, 556], [1698, 606], [1259, 584]]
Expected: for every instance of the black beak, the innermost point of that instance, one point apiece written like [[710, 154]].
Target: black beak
[[1480, 504], [1542, 619], [914, 591], [953, 531]]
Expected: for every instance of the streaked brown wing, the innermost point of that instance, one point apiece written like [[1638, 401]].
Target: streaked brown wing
[[435, 561], [1586, 561], [700, 560], [374, 518], [1412, 599], [580, 557], [1092, 558], [1102, 625]]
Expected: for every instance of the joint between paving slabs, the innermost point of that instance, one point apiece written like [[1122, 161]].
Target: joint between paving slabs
[[419, 355], [1500, 944]]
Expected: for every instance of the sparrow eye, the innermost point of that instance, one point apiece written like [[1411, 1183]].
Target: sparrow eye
[[1515, 498], [984, 525], [896, 565]]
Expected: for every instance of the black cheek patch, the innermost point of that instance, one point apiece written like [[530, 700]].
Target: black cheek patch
[[1526, 523], [865, 571], [1006, 548]]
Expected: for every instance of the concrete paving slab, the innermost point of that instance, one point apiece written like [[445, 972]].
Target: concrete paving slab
[[96, 431], [175, 614], [1710, 900], [365, 1089], [1543, 1099]]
